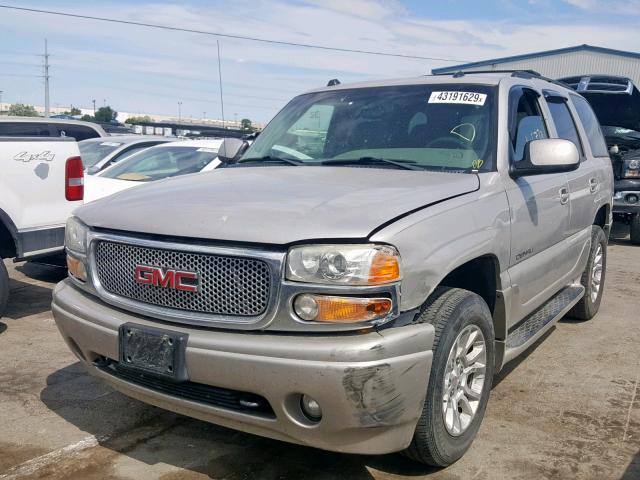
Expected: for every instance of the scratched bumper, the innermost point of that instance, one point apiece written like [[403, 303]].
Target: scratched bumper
[[371, 386]]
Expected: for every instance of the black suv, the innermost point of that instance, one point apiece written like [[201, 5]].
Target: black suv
[[616, 102]]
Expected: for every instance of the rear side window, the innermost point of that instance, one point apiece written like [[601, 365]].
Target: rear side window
[[591, 126], [78, 132], [526, 122], [565, 126], [24, 129]]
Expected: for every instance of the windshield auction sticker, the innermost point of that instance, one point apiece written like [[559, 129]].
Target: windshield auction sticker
[[467, 98]]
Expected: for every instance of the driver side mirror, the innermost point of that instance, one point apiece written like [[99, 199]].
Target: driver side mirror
[[231, 150], [549, 155]]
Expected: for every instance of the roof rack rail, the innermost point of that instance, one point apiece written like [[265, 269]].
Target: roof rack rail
[[514, 73]]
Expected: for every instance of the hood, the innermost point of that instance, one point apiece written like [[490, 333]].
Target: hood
[[275, 205], [96, 187], [616, 109]]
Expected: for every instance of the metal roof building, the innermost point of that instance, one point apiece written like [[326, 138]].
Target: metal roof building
[[563, 62]]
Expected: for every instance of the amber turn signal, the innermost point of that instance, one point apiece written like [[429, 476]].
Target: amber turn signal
[[76, 268], [322, 308], [385, 268]]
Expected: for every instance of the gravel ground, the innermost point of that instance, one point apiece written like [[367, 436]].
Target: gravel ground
[[568, 408]]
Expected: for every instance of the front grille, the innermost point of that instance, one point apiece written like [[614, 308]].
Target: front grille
[[228, 285], [197, 392]]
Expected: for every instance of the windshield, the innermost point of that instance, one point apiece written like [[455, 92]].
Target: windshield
[[93, 152], [443, 127], [161, 162]]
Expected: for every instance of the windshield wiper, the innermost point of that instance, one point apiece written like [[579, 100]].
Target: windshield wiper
[[403, 164], [270, 159]]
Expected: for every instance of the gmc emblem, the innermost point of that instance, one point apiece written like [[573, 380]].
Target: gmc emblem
[[167, 278]]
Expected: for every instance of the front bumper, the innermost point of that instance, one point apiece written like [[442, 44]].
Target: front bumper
[[371, 386], [622, 202]]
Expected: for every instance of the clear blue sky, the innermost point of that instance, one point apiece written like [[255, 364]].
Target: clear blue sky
[[136, 69]]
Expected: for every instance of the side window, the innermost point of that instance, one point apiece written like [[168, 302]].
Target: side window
[[24, 129], [591, 126], [128, 152], [526, 122], [78, 132], [563, 121]]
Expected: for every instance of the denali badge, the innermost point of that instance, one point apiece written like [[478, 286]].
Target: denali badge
[[167, 278]]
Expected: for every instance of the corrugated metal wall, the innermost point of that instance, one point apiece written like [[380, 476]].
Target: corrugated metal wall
[[573, 63]]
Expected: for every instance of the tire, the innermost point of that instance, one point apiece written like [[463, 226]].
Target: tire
[[589, 304], [635, 229], [451, 311], [4, 287]]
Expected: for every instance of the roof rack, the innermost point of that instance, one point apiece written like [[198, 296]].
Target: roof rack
[[514, 73]]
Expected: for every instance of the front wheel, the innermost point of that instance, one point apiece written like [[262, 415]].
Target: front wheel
[[461, 376], [635, 229], [4, 287]]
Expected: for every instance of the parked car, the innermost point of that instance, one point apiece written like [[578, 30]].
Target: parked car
[[100, 153], [616, 102], [354, 280], [154, 163], [40, 185], [49, 127]]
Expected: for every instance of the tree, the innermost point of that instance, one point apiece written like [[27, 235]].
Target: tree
[[245, 124], [87, 118], [105, 114], [21, 110], [73, 112], [139, 119]]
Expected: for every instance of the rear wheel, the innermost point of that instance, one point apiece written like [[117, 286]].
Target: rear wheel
[[461, 376], [593, 277], [4, 287], [635, 229]]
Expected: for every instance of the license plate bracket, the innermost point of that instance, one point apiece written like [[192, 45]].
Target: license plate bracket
[[153, 350]]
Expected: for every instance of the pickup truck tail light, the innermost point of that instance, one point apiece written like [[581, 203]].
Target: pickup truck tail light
[[74, 179]]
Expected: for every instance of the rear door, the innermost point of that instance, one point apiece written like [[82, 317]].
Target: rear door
[[583, 183]]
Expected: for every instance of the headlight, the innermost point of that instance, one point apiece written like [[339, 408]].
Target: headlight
[[344, 264], [632, 168], [75, 236]]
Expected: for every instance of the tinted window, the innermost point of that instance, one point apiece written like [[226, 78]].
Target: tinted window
[[563, 121], [77, 131], [427, 126], [526, 122], [130, 151], [24, 129], [591, 126]]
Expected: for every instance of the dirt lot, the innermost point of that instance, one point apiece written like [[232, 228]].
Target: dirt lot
[[569, 408]]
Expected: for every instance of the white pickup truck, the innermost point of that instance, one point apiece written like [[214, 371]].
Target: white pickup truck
[[40, 184]]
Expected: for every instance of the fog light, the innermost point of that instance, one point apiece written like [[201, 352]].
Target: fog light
[[76, 268], [311, 408], [306, 307], [631, 198]]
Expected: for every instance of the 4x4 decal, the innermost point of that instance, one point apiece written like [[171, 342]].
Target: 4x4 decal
[[27, 157]]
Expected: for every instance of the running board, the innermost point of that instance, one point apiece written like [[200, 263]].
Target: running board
[[525, 333]]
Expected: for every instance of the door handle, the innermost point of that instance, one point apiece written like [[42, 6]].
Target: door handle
[[564, 195], [593, 185]]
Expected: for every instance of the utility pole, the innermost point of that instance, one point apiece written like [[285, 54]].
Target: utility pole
[[94, 107], [46, 79], [1, 92], [220, 77], [179, 112]]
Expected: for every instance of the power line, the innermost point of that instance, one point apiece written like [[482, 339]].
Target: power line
[[227, 35]]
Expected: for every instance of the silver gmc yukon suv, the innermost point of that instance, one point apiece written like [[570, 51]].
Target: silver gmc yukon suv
[[355, 278]]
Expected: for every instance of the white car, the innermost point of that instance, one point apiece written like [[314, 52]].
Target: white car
[[100, 153], [154, 163]]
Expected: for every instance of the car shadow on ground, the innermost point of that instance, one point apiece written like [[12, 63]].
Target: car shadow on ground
[[29, 298], [633, 470], [155, 436], [619, 234]]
